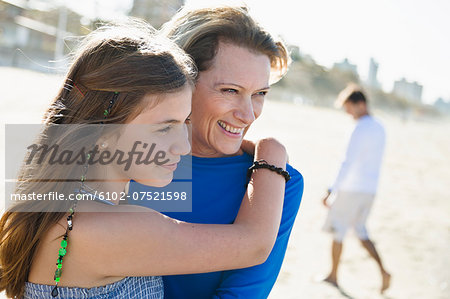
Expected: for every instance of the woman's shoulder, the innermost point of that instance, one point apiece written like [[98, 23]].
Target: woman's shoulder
[[296, 176], [294, 187]]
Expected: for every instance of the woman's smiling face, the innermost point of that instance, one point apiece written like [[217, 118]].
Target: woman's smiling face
[[228, 97]]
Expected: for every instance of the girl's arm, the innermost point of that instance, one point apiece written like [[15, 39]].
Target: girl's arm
[[149, 243]]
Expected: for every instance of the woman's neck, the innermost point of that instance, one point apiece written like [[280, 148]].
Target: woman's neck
[[211, 153]]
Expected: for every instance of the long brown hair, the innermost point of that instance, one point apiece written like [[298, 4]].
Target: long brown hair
[[198, 32], [127, 58]]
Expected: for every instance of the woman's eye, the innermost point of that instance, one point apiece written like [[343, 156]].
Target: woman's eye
[[188, 120], [229, 90], [261, 93]]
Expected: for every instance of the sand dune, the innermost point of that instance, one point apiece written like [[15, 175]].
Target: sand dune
[[410, 220]]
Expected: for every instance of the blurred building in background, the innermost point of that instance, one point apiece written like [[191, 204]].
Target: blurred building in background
[[31, 34], [156, 12], [295, 53], [36, 34], [372, 80], [346, 66], [442, 105], [409, 90]]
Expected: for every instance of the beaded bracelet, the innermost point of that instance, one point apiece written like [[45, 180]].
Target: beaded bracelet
[[263, 164]]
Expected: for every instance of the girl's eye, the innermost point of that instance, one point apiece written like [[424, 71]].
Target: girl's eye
[[188, 120], [164, 130]]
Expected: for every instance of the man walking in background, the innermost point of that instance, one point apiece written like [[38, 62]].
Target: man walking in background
[[354, 188]]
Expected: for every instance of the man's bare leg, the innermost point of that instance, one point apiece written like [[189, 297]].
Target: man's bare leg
[[386, 277], [336, 250]]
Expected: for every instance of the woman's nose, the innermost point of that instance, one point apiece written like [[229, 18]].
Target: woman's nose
[[245, 111]]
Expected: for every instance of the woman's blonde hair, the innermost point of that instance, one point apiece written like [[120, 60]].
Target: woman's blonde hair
[[198, 32]]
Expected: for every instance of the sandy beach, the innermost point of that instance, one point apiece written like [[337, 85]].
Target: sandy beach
[[410, 221]]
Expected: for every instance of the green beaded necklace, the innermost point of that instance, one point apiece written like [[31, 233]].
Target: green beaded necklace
[[63, 249]]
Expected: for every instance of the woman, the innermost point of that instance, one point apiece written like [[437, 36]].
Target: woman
[[125, 75], [237, 60]]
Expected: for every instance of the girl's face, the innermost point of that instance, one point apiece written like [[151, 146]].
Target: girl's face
[[155, 139], [228, 97]]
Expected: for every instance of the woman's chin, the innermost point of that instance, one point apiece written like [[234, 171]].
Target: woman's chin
[[232, 148]]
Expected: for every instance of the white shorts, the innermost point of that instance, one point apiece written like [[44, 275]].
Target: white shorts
[[348, 210]]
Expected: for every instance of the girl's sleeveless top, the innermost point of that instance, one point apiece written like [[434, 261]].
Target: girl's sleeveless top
[[149, 287]]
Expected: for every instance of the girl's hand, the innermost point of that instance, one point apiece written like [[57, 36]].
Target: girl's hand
[[272, 151]]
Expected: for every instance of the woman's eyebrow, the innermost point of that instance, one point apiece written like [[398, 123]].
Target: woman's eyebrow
[[265, 88], [224, 83], [237, 85]]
